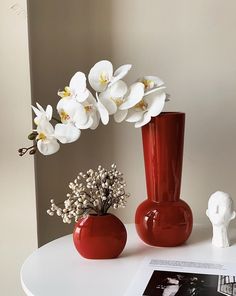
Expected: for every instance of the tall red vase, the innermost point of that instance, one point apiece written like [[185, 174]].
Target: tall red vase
[[164, 219]]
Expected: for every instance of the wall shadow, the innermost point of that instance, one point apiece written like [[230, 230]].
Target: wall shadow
[[64, 38]]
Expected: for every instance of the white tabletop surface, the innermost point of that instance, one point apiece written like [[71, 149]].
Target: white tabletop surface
[[58, 269]]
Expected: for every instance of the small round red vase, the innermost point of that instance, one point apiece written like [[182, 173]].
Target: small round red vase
[[164, 219], [99, 237]]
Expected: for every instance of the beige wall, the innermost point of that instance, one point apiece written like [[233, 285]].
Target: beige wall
[[189, 44], [17, 199]]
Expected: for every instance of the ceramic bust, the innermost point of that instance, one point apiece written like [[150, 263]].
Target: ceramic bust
[[220, 212]]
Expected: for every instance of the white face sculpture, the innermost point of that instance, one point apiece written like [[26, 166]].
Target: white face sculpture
[[220, 209]]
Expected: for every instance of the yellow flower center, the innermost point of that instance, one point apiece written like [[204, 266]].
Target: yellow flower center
[[64, 116], [148, 83], [103, 79], [41, 136], [118, 101], [141, 105], [65, 93], [88, 108]]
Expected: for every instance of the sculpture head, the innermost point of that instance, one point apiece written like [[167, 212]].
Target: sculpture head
[[220, 209]]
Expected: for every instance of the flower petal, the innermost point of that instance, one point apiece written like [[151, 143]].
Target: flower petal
[[49, 112], [36, 111], [66, 104], [134, 116], [96, 119], [78, 82], [91, 100], [120, 115], [100, 75], [45, 127], [135, 95], [156, 103], [86, 125], [78, 86], [118, 89], [109, 105], [156, 80], [81, 116], [82, 96], [48, 147], [66, 133], [103, 113], [40, 107], [120, 73], [157, 89], [146, 118]]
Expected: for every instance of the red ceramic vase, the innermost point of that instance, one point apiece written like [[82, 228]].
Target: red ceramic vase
[[164, 219], [99, 237]]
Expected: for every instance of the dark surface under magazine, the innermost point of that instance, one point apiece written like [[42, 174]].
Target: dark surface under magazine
[[169, 283]]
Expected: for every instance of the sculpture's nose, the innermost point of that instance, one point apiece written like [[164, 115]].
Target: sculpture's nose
[[217, 209]]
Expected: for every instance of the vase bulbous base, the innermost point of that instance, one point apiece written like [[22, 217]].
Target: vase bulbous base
[[164, 224], [99, 237]]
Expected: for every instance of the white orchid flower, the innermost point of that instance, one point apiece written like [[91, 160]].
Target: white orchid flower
[[41, 113], [112, 98], [101, 75], [90, 111], [71, 111], [117, 99], [77, 88], [150, 106], [82, 115], [151, 84], [133, 96], [46, 142]]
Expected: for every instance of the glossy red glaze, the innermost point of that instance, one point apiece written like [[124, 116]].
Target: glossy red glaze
[[164, 219], [99, 237]]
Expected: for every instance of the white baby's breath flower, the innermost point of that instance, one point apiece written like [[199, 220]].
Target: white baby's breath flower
[[96, 196]]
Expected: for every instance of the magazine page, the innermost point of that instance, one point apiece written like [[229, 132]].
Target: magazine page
[[183, 278]]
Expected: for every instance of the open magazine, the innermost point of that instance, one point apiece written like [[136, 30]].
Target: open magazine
[[183, 278]]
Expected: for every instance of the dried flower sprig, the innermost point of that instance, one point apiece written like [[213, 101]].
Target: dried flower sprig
[[93, 192]]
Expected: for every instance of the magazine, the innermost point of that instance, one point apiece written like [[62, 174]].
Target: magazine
[[183, 278]]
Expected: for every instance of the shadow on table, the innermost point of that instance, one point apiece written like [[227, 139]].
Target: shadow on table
[[199, 235], [135, 251]]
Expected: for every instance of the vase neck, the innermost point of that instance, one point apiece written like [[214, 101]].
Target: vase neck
[[163, 140]]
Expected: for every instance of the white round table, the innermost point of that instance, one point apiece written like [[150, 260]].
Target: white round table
[[58, 269]]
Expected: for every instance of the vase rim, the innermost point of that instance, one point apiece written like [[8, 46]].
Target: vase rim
[[171, 113], [99, 216]]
